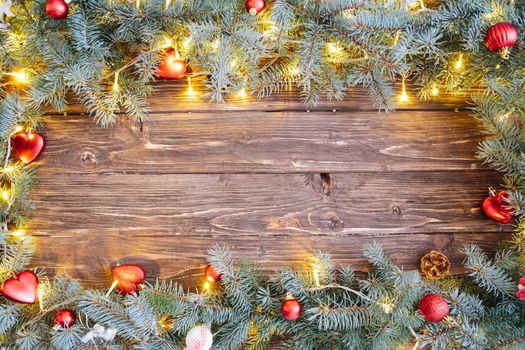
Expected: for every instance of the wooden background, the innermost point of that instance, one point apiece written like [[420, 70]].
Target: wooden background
[[268, 178]]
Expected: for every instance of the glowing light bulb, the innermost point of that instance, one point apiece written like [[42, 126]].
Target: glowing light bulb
[[168, 3], [18, 233], [459, 62], [435, 90], [115, 83], [233, 63], [5, 195], [40, 294], [316, 278], [18, 129], [191, 93], [186, 43], [242, 94], [8, 169], [295, 70], [21, 76], [167, 42], [387, 307], [404, 96], [216, 44], [207, 286], [335, 52]]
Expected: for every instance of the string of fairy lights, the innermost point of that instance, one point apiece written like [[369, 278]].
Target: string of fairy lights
[[335, 53]]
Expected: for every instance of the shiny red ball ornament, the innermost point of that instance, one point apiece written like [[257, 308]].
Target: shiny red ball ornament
[[497, 208], [501, 37], [21, 287], [255, 7], [129, 278], [291, 308], [57, 9], [28, 146], [65, 318], [433, 307], [171, 66], [211, 273]]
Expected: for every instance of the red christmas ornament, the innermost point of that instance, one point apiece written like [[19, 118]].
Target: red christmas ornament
[[65, 318], [57, 9], [28, 146], [501, 37], [255, 7], [171, 66], [433, 307], [520, 294], [21, 288], [496, 208], [128, 278], [212, 275], [291, 308]]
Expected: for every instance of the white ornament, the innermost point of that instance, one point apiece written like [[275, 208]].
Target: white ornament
[[199, 338], [99, 331], [5, 11]]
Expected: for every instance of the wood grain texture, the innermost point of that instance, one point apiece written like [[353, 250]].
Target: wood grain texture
[[266, 178], [273, 218], [270, 142], [226, 205]]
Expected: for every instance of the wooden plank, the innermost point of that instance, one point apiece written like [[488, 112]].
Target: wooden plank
[[272, 142], [87, 254], [172, 96]]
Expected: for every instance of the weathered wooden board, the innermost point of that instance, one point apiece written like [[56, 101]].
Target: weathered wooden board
[[224, 205], [264, 177], [273, 218], [271, 142], [175, 96]]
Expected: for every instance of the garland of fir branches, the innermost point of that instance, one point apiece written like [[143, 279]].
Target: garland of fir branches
[[323, 47]]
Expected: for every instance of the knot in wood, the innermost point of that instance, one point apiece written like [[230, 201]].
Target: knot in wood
[[88, 159], [395, 210], [334, 223]]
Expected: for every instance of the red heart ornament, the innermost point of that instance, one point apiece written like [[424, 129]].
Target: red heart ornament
[[496, 208], [129, 278], [171, 66], [28, 146], [21, 288]]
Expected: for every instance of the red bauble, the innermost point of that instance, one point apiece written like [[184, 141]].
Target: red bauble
[[255, 7], [211, 273], [28, 146], [56, 9], [129, 278], [433, 307], [291, 308], [171, 66], [21, 287], [65, 318], [501, 37], [496, 208]]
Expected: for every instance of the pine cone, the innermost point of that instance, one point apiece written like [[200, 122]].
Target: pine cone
[[435, 265]]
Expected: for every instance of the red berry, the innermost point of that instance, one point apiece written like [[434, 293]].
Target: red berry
[[65, 318], [255, 7], [433, 307], [57, 9], [291, 309]]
